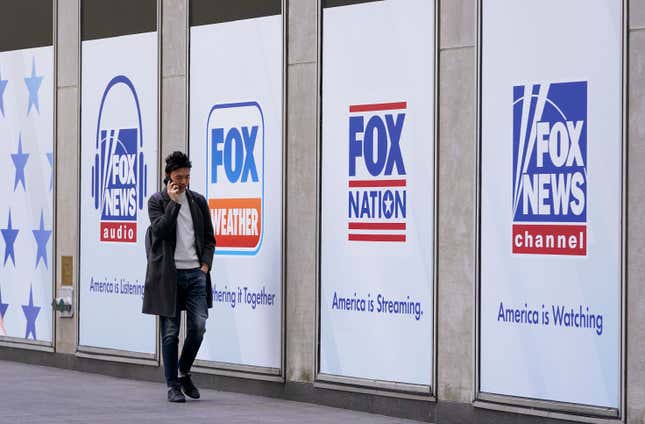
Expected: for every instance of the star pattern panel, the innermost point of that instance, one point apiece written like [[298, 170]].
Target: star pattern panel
[[26, 190]]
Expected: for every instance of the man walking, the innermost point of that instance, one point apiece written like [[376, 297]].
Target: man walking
[[179, 245]]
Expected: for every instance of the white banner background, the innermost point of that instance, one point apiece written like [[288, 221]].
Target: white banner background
[[532, 42], [238, 62], [114, 320], [390, 59], [31, 124]]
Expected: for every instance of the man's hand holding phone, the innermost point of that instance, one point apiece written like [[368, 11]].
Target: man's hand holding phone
[[173, 191]]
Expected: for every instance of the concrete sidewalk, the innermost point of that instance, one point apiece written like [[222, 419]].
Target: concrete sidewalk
[[36, 394]]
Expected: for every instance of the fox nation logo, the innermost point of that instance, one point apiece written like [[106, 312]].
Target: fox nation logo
[[550, 168], [377, 183], [119, 173], [235, 176]]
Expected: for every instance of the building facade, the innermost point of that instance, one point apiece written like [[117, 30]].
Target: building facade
[[425, 209]]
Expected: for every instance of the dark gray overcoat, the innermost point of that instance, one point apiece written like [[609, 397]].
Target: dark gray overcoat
[[160, 295]]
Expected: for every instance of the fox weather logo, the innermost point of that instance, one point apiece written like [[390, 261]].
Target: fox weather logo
[[550, 168], [235, 181], [119, 173]]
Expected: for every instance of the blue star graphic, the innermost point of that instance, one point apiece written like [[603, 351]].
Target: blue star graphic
[[31, 313], [20, 161], [42, 237], [33, 84], [3, 86], [3, 306], [9, 235], [50, 159]]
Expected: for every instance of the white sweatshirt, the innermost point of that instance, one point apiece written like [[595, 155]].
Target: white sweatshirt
[[185, 253]]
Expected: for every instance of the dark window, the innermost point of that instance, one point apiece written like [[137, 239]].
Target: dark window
[[334, 3], [203, 12], [111, 18], [26, 24]]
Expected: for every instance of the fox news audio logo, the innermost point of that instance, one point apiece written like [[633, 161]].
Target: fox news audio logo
[[119, 173], [235, 180], [377, 185], [550, 168]]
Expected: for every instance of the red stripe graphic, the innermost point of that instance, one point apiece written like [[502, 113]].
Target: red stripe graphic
[[377, 183], [376, 237], [378, 106], [376, 225]]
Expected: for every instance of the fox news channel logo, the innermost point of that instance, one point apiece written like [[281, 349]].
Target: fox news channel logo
[[119, 173], [235, 176], [377, 184], [550, 168]]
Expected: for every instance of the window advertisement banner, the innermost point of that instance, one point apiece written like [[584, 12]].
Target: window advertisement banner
[[118, 174], [376, 282], [236, 150], [26, 209], [551, 184]]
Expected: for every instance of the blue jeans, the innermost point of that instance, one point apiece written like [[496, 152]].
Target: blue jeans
[[191, 296]]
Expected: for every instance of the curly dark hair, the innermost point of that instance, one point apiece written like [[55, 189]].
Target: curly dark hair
[[177, 160]]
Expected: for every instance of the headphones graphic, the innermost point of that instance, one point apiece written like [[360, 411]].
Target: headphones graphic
[[100, 169]]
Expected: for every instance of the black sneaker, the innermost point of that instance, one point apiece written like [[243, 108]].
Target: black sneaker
[[188, 387], [175, 394]]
